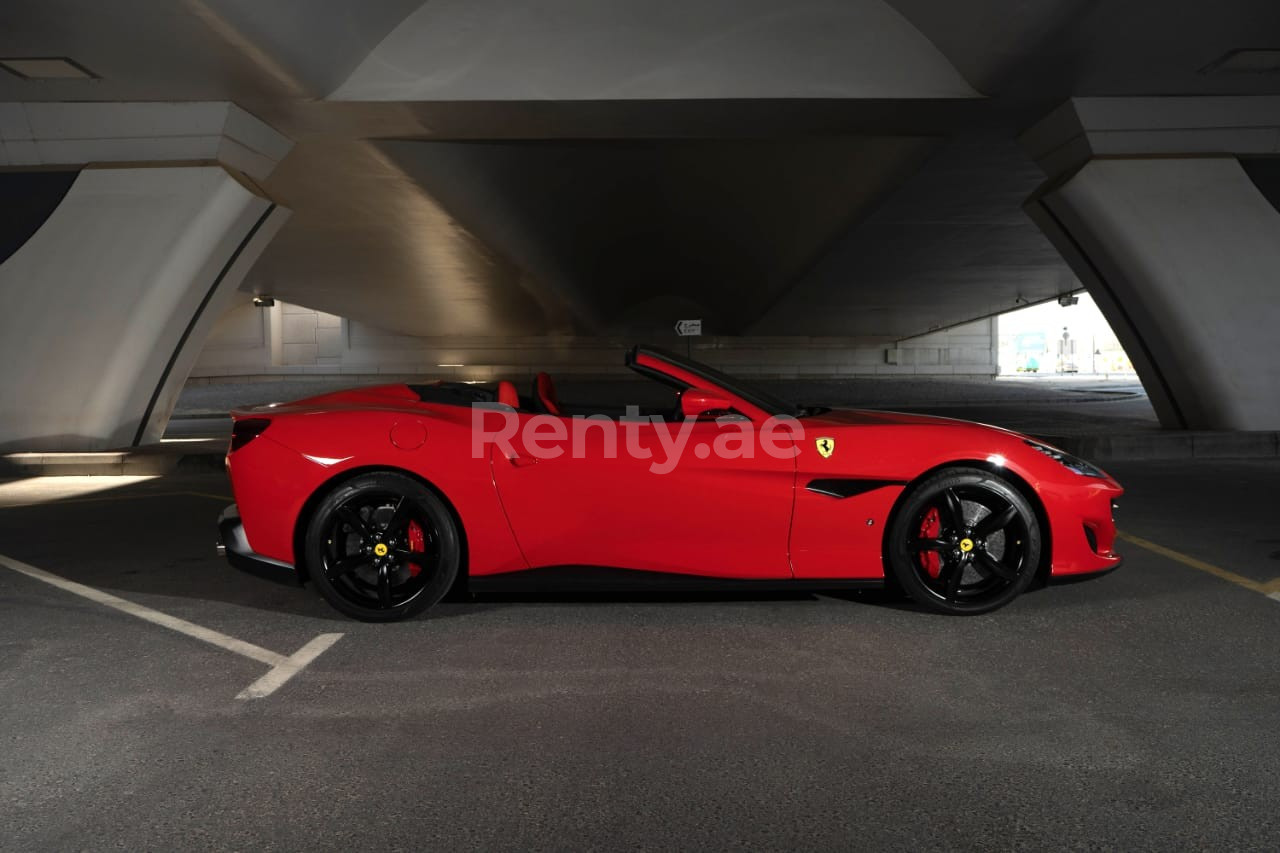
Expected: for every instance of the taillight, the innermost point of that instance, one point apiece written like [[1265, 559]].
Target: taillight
[[246, 431]]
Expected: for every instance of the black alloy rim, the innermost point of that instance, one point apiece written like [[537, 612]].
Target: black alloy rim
[[380, 550], [968, 545]]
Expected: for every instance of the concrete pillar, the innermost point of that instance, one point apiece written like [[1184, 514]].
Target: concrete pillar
[[106, 305], [1180, 248]]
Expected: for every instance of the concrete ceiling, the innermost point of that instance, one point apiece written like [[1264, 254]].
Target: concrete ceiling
[[467, 50], [803, 207], [248, 51], [1030, 52], [950, 243], [633, 233]]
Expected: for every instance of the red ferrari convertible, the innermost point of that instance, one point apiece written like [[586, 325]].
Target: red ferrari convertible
[[385, 497]]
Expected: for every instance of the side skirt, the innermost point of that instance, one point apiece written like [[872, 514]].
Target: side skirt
[[601, 579]]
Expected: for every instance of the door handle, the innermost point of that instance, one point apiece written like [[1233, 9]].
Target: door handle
[[520, 461]]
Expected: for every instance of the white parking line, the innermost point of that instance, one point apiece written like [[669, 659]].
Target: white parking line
[[282, 668], [289, 667]]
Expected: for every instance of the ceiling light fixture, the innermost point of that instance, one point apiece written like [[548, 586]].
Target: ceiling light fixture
[[46, 68]]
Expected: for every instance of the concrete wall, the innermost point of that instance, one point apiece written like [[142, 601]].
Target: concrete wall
[[288, 340], [106, 304], [1183, 257], [1148, 202], [61, 134]]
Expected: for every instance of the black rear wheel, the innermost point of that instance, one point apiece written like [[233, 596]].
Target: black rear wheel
[[965, 541], [382, 547]]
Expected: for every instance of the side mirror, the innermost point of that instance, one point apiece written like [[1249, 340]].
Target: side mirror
[[696, 403]]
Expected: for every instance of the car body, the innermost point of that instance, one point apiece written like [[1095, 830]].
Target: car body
[[818, 514]]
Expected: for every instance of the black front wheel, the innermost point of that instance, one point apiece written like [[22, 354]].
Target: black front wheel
[[382, 547], [965, 541]]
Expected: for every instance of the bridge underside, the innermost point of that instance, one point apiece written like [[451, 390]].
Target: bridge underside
[[806, 180]]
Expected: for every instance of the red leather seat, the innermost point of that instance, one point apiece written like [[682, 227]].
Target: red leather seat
[[507, 395], [544, 394]]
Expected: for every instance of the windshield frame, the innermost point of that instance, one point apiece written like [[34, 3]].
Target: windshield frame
[[764, 401]]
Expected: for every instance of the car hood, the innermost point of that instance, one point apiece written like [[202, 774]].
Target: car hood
[[867, 417], [837, 418]]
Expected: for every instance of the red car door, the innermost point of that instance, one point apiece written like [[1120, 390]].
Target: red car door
[[723, 514]]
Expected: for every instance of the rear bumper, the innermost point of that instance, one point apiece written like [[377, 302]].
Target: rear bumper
[[234, 545]]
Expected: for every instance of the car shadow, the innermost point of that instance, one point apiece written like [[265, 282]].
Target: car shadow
[[555, 596]]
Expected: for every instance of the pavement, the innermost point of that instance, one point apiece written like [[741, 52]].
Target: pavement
[[1134, 711]]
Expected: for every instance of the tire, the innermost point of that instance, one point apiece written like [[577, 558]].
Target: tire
[[382, 547], [964, 542]]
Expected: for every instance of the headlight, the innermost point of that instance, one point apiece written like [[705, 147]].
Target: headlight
[[1072, 463]]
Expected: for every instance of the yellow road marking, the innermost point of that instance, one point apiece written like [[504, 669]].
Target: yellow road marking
[[1266, 588]]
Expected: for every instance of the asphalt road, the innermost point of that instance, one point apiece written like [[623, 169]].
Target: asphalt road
[[1140, 710]]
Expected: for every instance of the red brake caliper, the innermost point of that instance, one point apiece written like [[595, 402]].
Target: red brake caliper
[[930, 528], [417, 542]]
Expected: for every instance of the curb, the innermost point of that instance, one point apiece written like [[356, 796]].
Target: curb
[[147, 461]]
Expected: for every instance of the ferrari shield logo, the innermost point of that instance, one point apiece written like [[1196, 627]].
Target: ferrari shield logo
[[826, 446]]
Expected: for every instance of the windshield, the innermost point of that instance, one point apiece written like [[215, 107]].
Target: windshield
[[757, 397]]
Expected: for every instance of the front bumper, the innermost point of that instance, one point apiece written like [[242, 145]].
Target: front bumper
[[234, 545], [1083, 531]]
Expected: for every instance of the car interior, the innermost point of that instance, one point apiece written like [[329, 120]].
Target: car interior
[[658, 398], [650, 399]]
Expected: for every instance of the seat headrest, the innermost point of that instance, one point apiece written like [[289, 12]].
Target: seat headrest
[[507, 395], [544, 394]]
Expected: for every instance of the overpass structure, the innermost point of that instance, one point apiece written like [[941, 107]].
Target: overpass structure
[[825, 184]]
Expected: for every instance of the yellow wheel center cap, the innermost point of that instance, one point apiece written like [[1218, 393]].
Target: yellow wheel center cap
[[381, 549], [966, 545]]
